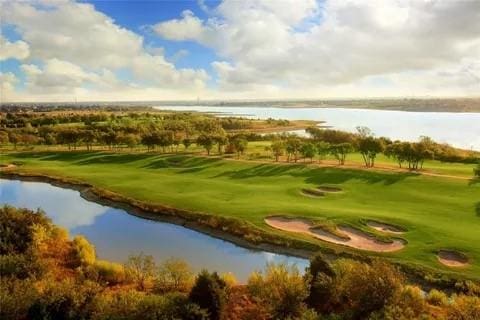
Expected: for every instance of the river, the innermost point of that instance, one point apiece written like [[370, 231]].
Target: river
[[458, 129], [117, 234]]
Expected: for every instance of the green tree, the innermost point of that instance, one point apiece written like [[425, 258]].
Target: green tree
[[209, 293], [369, 147], [293, 145], [206, 141], [278, 148], [320, 277], [308, 150], [340, 151], [240, 144]]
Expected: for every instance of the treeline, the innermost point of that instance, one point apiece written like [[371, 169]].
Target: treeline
[[340, 144], [45, 275]]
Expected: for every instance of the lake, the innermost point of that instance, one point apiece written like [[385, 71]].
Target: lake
[[458, 129], [117, 234]]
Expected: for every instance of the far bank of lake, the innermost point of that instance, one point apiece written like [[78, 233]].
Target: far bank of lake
[[458, 129]]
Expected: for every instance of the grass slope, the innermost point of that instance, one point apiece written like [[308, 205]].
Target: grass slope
[[437, 212]]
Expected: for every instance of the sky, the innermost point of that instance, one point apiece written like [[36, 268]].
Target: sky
[[85, 50]]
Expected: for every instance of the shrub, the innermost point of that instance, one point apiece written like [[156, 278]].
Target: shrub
[[141, 270], [409, 304], [174, 275], [320, 277], [168, 306], [118, 305], [464, 308], [437, 298], [16, 296], [112, 273], [281, 289], [84, 251], [365, 288]]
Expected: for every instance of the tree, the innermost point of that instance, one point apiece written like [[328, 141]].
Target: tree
[[206, 141], [174, 275], [320, 276], [340, 151], [362, 288], [397, 151], [221, 140], [308, 150], [14, 139], [278, 148], [240, 145], [208, 292], [323, 149], [187, 142], [369, 147], [292, 147], [141, 269], [281, 289]]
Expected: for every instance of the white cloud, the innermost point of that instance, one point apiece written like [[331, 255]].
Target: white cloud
[[17, 50], [80, 50], [300, 47]]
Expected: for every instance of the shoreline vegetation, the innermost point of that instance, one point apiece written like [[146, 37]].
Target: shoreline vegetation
[[46, 275]]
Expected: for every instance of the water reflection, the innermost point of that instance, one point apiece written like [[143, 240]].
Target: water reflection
[[117, 234], [458, 129]]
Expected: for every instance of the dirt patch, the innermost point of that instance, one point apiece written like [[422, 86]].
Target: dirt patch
[[7, 166], [384, 227], [350, 237], [452, 258]]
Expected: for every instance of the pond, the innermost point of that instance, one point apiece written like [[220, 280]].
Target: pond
[[117, 234], [458, 129]]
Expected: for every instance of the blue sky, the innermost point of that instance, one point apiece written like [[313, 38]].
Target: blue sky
[[231, 49]]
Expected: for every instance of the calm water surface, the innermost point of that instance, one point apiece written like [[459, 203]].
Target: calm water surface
[[116, 234], [458, 129]]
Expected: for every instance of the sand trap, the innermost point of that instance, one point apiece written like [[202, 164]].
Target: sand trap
[[356, 238], [7, 166], [383, 227], [452, 258], [329, 189], [313, 192], [320, 191]]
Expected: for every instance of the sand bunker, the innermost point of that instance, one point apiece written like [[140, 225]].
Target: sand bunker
[[452, 258], [320, 191], [353, 238], [313, 192], [329, 189], [383, 227]]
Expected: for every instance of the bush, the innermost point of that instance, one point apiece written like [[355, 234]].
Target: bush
[[169, 306], [16, 296], [281, 289], [437, 298], [464, 308], [365, 288], [111, 272], [409, 304], [174, 275], [118, 305], [83, 250]]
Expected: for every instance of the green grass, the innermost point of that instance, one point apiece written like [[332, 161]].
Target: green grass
[[438, 212]]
